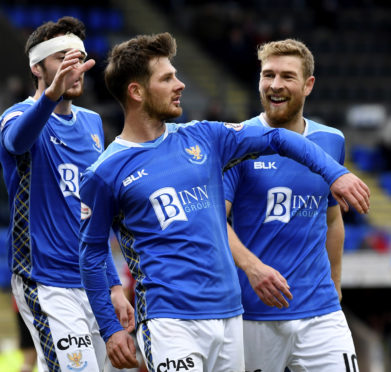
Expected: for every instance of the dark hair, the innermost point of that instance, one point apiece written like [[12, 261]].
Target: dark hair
[[50, 29], [129, 61]]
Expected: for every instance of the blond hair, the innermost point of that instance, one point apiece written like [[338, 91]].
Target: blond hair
[[288, 47]]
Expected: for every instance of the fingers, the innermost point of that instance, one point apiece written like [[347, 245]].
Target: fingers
[[121, 350], [131, 320], [342, 203], [349, 189], [272, 294]]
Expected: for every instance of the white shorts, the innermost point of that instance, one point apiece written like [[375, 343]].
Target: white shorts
[[213, 345], [319, 344], [62, 325]]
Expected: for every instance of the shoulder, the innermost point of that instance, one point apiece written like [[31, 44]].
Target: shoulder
[[253, 121], [314, 127], [79, 109], [15, 111], [109, 159], [194, 124]]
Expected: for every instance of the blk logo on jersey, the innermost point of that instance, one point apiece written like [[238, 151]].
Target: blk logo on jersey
[[70, 176], [57, 141], [265, 165], [134, 177], [97, 144], [74, 341], [282, 204], [170, 205], [197, 157], [170, 365]]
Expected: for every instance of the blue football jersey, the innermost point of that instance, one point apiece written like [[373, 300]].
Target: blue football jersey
[[279, 212], [166, 202], [43, 188]]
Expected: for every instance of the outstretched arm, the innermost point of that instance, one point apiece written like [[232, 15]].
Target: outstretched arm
[[268, 283]]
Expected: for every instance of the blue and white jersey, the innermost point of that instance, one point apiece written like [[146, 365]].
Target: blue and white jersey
[[43, 188], [279, 212], [166, 202]]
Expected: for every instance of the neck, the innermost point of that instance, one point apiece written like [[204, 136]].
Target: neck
[[296, 124], [62, 108], [139, 127]]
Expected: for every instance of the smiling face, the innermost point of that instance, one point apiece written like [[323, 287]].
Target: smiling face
[[163, 91], [283, 89], [49, 67]]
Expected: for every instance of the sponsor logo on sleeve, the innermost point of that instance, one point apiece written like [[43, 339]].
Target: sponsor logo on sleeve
[[85, 211], [8, 117], [234, 126]]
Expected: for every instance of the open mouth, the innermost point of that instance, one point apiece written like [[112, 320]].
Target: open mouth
[[277, 99], [176, 101]]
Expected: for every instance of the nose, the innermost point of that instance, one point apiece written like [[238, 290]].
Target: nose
[[180, 84], [277, 83]]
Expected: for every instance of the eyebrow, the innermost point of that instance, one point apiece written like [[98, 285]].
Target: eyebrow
[[281, 72]]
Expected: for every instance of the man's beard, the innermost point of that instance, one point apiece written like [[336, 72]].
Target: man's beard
[[159, 111], [279, 116], [70, 94]]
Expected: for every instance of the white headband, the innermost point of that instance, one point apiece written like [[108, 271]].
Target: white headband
[[57, 44]]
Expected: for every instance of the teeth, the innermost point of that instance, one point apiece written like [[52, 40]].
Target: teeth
[[278, 99]]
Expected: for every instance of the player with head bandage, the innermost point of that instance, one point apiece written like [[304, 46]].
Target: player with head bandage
[[46, 144]]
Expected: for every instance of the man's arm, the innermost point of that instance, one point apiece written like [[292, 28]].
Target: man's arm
[[123, 309], [334, 245], [268, 283], [94, 257], [25, 128], [256, 140]]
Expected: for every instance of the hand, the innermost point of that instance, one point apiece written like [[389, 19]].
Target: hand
[[123, 308], [68, 73], [269, 285], [350, 189], [121, 350]]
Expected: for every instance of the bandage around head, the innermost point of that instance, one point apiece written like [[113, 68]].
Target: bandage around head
[[54, 45]]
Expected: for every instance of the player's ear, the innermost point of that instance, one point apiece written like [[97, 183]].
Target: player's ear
[[36, 70], [309, 84], [135, 91]]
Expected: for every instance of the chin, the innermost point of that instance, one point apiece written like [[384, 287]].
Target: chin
[[71, 94], [172, 114]]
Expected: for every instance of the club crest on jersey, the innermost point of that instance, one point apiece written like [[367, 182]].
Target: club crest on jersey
[[85, 211], [97, 144], [234, 126], [197, 157], [76, 362]]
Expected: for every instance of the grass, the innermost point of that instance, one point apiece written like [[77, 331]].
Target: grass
[[11, 361]]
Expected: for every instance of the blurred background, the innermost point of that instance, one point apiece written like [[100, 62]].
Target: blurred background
[[217, 40]]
